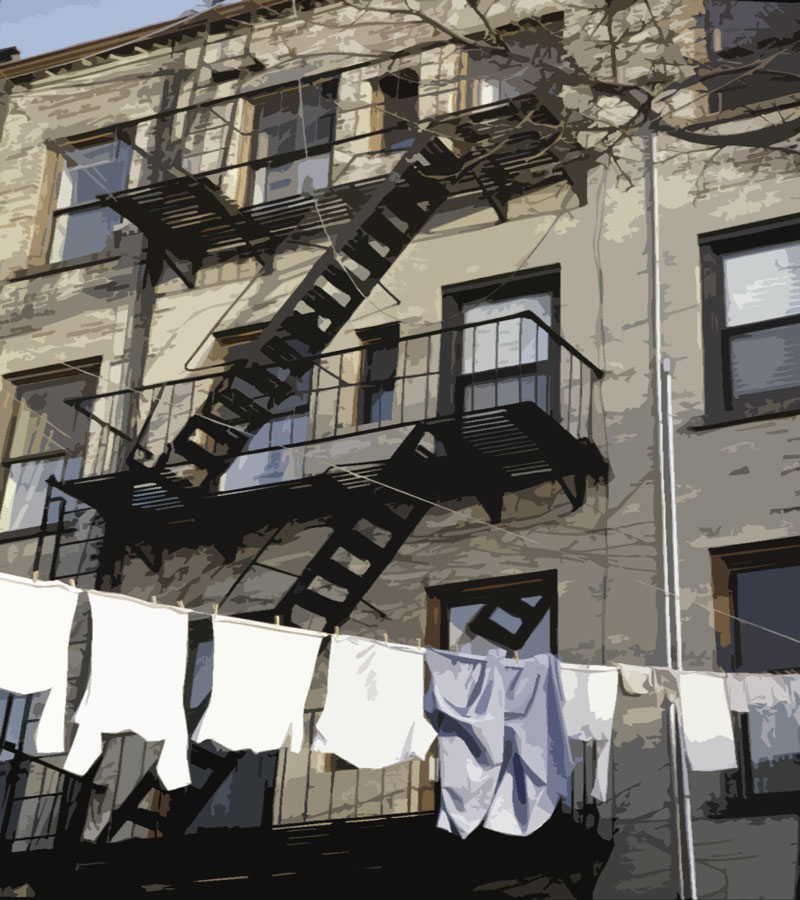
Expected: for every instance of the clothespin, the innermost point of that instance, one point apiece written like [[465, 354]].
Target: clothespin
[[154, 599], [385, 637], [180, 603], [336, 631], [516, 656], [277, 620], [73, 583], [419, 643], [35, 575], [214, 610]]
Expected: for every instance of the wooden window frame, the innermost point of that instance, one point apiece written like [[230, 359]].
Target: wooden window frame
[[119, 134], [42, 376], [546, 279], [720, 405], [443, 597], [740, 798]]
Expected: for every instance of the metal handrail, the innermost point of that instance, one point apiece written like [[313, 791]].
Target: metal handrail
[[554, 335]]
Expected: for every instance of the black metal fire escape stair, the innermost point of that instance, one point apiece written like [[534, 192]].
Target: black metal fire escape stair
[[304, 326], [368, 531]]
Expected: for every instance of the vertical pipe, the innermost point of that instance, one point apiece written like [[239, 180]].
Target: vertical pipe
[[684, 844], [674, 568]]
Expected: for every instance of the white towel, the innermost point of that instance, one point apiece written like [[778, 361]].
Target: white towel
[[261, 677], [706, 721], [35, 622], [373, 713], [138, 666], [590, 697]]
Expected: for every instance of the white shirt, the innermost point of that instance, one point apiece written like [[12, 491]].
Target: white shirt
[[706, 721], [590, 698], [35, 622], [261, 677], [373, 713], [138, 668]]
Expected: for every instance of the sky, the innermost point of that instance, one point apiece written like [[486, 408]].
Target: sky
[[39, 26]]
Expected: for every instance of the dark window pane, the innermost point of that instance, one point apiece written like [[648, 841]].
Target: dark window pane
[[769, 598], [764, 361]]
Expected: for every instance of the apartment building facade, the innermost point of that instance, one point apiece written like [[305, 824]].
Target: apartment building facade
[[312, 312]]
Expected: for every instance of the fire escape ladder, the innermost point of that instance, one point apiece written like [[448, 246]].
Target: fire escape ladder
[[367, 535], [312, 316]]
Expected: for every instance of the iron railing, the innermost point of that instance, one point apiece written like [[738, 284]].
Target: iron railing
[[435, 374]]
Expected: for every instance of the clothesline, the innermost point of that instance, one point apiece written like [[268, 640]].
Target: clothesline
[[376, 707]]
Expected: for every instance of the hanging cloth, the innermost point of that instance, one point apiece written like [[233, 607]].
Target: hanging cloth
[[138, 667], [537, 763], [465, 702], [35, 622], [590, 698], [261, 677], [706, 721], [373, 713], [772, 705], [503, 747]]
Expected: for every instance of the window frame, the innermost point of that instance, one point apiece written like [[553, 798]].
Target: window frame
[[253, 116], [382, 337], [498, 591], [389, 137], [42, 376], [115, 134], [739, 795], [544, 280], [720, 404]]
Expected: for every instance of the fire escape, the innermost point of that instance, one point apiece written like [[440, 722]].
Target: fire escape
[[174, 486], [449, 451]]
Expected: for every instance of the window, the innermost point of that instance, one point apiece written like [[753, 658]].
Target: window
[[282, 128], [516, 613], [83, 225], [47, 438], [378, 373], [288, 424], [751, 287], [397, 99], [513, 361], [740, 32], [760, 584]]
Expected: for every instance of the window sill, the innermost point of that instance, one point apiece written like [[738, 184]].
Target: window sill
[[62, 266], [720, 420], [778, 803]]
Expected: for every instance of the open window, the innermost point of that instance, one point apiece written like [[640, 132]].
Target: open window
[[47, 438], [397, 108], [293, 130], [751, 298], [87, 167]]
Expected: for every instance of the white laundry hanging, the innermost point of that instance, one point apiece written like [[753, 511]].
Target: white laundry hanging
[[138, 667], [706, 721], [590, 698], [773, 704], [261, 677], [373, 713], [35, 622]]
